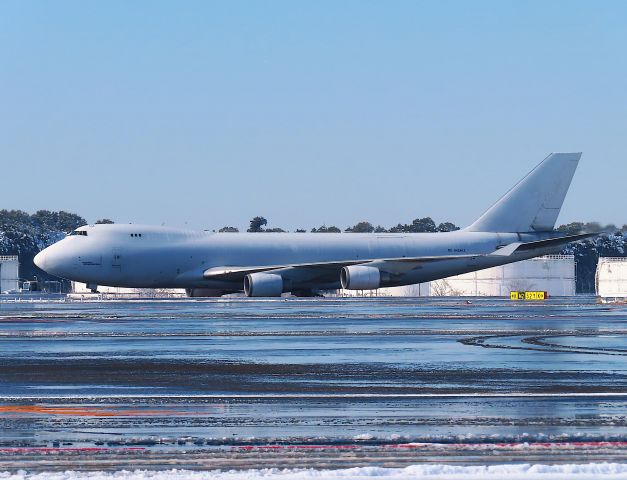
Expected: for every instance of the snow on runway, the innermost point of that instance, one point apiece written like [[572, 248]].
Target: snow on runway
[[600, 471], [288, 383]]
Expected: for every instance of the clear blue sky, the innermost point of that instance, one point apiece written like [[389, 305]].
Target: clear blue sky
[[209, 113]]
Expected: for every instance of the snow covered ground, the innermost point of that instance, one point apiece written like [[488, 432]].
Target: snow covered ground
[[310, 384], [591, 471]]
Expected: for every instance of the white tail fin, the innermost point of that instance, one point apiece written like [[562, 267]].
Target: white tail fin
[[535, 202]]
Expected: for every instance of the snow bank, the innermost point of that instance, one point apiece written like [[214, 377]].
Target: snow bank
[[591, 471]]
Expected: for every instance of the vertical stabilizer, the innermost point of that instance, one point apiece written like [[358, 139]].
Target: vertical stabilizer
[[534, 203]]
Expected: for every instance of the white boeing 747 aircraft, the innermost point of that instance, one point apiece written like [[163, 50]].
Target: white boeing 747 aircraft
[[517, 227]]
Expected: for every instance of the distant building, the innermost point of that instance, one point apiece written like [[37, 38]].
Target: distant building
[[9, 273], [554, 274], [611, 278]]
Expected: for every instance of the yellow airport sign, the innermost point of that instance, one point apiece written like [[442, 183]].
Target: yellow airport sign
[[528, 295]]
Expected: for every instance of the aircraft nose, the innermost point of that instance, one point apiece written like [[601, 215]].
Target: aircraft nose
[[54, 260], [40, 259]]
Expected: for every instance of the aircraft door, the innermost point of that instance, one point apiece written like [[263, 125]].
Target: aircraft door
[[116, 260]]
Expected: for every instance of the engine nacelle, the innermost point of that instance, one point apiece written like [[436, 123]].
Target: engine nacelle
[[263, 285], [360, 277]]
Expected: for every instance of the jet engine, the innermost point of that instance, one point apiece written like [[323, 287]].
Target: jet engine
[[360, 277], [263, 285]]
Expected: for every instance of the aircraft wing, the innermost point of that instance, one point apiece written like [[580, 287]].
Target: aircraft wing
[[398, 265], [239, 272]]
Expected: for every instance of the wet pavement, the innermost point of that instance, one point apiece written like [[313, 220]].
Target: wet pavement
[[296, 379]]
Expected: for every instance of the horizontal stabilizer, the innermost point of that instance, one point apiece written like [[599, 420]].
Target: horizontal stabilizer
[[554, 242], [512, 248]]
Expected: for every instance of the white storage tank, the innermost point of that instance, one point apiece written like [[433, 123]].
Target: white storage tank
[[554, 274], [611, 278], [9, 273]]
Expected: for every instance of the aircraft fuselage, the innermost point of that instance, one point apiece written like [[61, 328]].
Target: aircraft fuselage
[[158, 257]]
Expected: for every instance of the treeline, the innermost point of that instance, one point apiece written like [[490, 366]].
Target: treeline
[[419, 225], [25, 235], [580, 227]]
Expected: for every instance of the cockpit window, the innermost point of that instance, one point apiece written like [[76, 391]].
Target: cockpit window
[[79, 232]]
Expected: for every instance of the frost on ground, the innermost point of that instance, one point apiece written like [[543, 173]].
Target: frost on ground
[[592, 471]]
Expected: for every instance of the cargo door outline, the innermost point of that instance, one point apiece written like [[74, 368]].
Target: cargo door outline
[[116, 259]]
